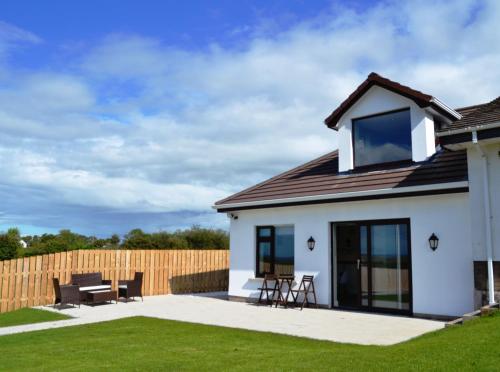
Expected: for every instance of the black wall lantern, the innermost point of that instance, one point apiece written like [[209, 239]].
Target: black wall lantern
[[311, 243], [433, 242]]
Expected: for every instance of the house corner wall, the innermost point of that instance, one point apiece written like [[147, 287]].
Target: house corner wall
[[422, 135], [476, 195], [443, 281], [480, 236]]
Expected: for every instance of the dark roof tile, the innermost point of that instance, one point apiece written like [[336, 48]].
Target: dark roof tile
[[474, 116], [321, 177]]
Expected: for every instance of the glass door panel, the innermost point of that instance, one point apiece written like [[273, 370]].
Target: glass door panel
[[348, 264], [390, 266], [364, 263], [373, 265]]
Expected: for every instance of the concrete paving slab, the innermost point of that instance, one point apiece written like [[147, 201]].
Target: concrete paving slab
[[321, 324]]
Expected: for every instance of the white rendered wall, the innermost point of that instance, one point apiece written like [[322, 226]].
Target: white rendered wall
[[378, 100], [442, 280], [477, 203]]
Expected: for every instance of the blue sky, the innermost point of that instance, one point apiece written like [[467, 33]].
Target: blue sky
[[121, 114]]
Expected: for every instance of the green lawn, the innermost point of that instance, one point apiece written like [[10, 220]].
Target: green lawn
[[152, 344], [28, 316]]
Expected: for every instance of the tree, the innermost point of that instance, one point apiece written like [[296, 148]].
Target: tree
[[114, 240], [66, 240], [200, 238], [137, 239], [10, 244]]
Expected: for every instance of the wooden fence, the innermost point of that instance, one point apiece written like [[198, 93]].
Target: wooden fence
[[26, 282]]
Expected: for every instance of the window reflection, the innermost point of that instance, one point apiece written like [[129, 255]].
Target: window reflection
[[382, 138], [275, 250], [390, 267], [284, 249]]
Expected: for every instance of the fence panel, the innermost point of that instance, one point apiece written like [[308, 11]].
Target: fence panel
[[28, 281]]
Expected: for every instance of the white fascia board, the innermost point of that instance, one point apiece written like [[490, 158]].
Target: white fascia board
[[445, 107], [352, 194], [469, 129]]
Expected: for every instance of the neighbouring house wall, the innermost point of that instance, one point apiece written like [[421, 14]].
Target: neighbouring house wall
[[378, 100], [442, 280], [477, 202]]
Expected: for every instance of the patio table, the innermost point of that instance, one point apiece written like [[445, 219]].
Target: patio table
[[280, 283], [94, 297]]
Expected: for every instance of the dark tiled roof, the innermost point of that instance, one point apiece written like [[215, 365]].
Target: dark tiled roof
[[468, 109], [421, 99], [321, 176], [474, 116]]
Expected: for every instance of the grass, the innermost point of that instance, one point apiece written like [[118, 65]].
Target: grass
[[28, 316], [141, 343]]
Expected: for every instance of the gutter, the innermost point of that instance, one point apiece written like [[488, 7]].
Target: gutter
[[343, 195], [468, 129], [487, 218]]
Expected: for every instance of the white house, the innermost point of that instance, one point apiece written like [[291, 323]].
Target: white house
[[408, 168]]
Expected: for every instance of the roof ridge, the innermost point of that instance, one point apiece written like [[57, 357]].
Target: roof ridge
[[488, 106], [278, 176], [470, 107], [382, 78], [417, 96]]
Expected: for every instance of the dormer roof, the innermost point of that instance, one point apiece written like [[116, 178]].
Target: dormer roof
[[421, 99]]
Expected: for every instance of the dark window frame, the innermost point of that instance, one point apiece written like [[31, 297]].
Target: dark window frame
[[353, 139], [370, 223], [266, 239], [263, 239]]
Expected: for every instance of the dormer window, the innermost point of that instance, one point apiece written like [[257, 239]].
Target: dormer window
[[382, 138]]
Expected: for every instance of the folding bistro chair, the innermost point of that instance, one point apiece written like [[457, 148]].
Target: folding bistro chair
[[266, 287], [306, 287]]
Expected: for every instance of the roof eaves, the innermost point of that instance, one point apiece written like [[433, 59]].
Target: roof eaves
[[345, 195]]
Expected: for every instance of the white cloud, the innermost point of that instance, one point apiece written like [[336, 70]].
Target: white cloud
[[87, 188], [10, 37], [12, 33], [135, 125]]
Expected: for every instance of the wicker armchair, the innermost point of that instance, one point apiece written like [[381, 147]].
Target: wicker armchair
[[66, 294], [131, 288]]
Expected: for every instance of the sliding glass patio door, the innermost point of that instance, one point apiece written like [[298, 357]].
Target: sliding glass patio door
[[373, 265]]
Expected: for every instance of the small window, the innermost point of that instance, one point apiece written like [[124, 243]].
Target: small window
[[382, 138], [265, 232], [275, 250]]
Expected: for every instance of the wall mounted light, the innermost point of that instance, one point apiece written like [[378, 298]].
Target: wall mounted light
[[311, 243], [433, 242]]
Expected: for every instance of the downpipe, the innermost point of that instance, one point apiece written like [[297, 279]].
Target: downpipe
[[487, 217]]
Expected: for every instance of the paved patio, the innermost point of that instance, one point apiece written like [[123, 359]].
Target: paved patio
[[321, 324]]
